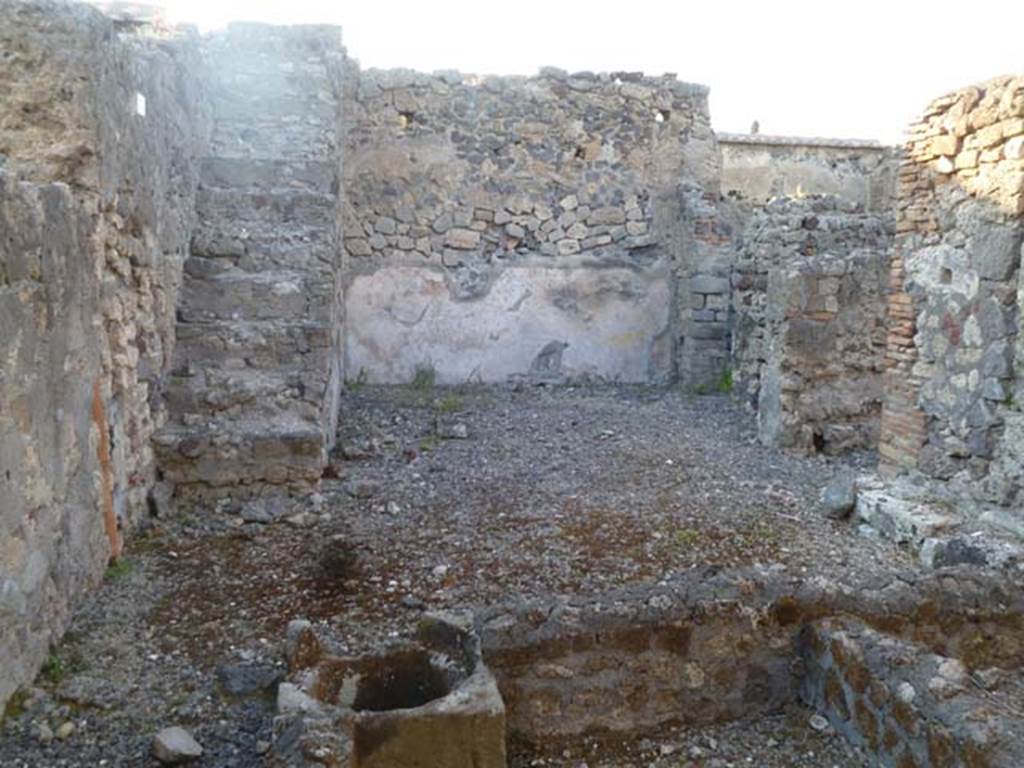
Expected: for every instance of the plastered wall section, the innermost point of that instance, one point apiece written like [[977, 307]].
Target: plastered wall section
[[756, 168]]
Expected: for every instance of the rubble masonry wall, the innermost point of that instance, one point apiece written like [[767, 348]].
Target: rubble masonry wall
[[99, 130], [519, 226], [954, 384], [785, 232], [821, 385]]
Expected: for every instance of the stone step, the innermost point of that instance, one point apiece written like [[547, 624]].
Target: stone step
[[283, 107], [253, 255], [276, 450], [252, 247], [268, 175], [310, 261], [214, 391], [254, 42], [236, 77], [299, 245], [277, 208], [254, 344], [274, 138], [265, 295], [301, 69]]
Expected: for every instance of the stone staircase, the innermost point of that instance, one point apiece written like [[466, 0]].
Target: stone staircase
[[252, 398]]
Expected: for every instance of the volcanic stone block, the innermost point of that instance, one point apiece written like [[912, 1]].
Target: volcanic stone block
[[428, 704]]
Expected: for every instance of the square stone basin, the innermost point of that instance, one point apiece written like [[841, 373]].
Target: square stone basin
[[429, 704]]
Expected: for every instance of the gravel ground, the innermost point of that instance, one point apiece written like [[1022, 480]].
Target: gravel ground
[[782, 741], [438, 499]]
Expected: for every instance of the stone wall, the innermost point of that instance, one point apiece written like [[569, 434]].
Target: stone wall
[[821, 385], [784, 232], [756, 168], [499, 228], [714, 646], [905, 705], [100, 126], [636, 661], [953, 385], [704, 314]]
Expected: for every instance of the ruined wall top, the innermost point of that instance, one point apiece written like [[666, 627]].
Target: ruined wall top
[[632, 84], [447, 164], [798, 141], [756, 168]]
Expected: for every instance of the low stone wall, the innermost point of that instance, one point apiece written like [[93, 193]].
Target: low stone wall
[[96, 199], [906, 666], [517, 227], [953, 386], [905, 705], [757, 168], [821, 385], [712, 646], [784, 232], [631, 663]]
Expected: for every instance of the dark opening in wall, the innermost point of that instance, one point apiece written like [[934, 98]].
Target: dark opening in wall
[[818, 442], [581, 153], [662, 115], [405, 119], [946, 276]]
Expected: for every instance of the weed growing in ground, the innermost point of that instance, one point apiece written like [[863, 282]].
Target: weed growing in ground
[[424, 378], [118, 569]]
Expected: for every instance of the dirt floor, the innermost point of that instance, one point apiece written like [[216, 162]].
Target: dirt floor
[[439, 499]]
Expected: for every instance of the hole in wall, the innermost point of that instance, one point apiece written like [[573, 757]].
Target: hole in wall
[[662, 115], [946, 276], [405, 119], [581, 153], [818, 441]]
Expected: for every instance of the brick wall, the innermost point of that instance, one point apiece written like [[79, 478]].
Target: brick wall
[[951, 388]]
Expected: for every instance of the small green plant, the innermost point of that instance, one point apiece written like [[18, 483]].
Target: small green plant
[[685, 538], [424, 377], [450, 403], [724, 384], [118, 569], [360, 381], [186, 519], [430, 443], [54, 668], [16, 704], [63, 661]]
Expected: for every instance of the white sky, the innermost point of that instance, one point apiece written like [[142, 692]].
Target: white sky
[[853, 69]]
